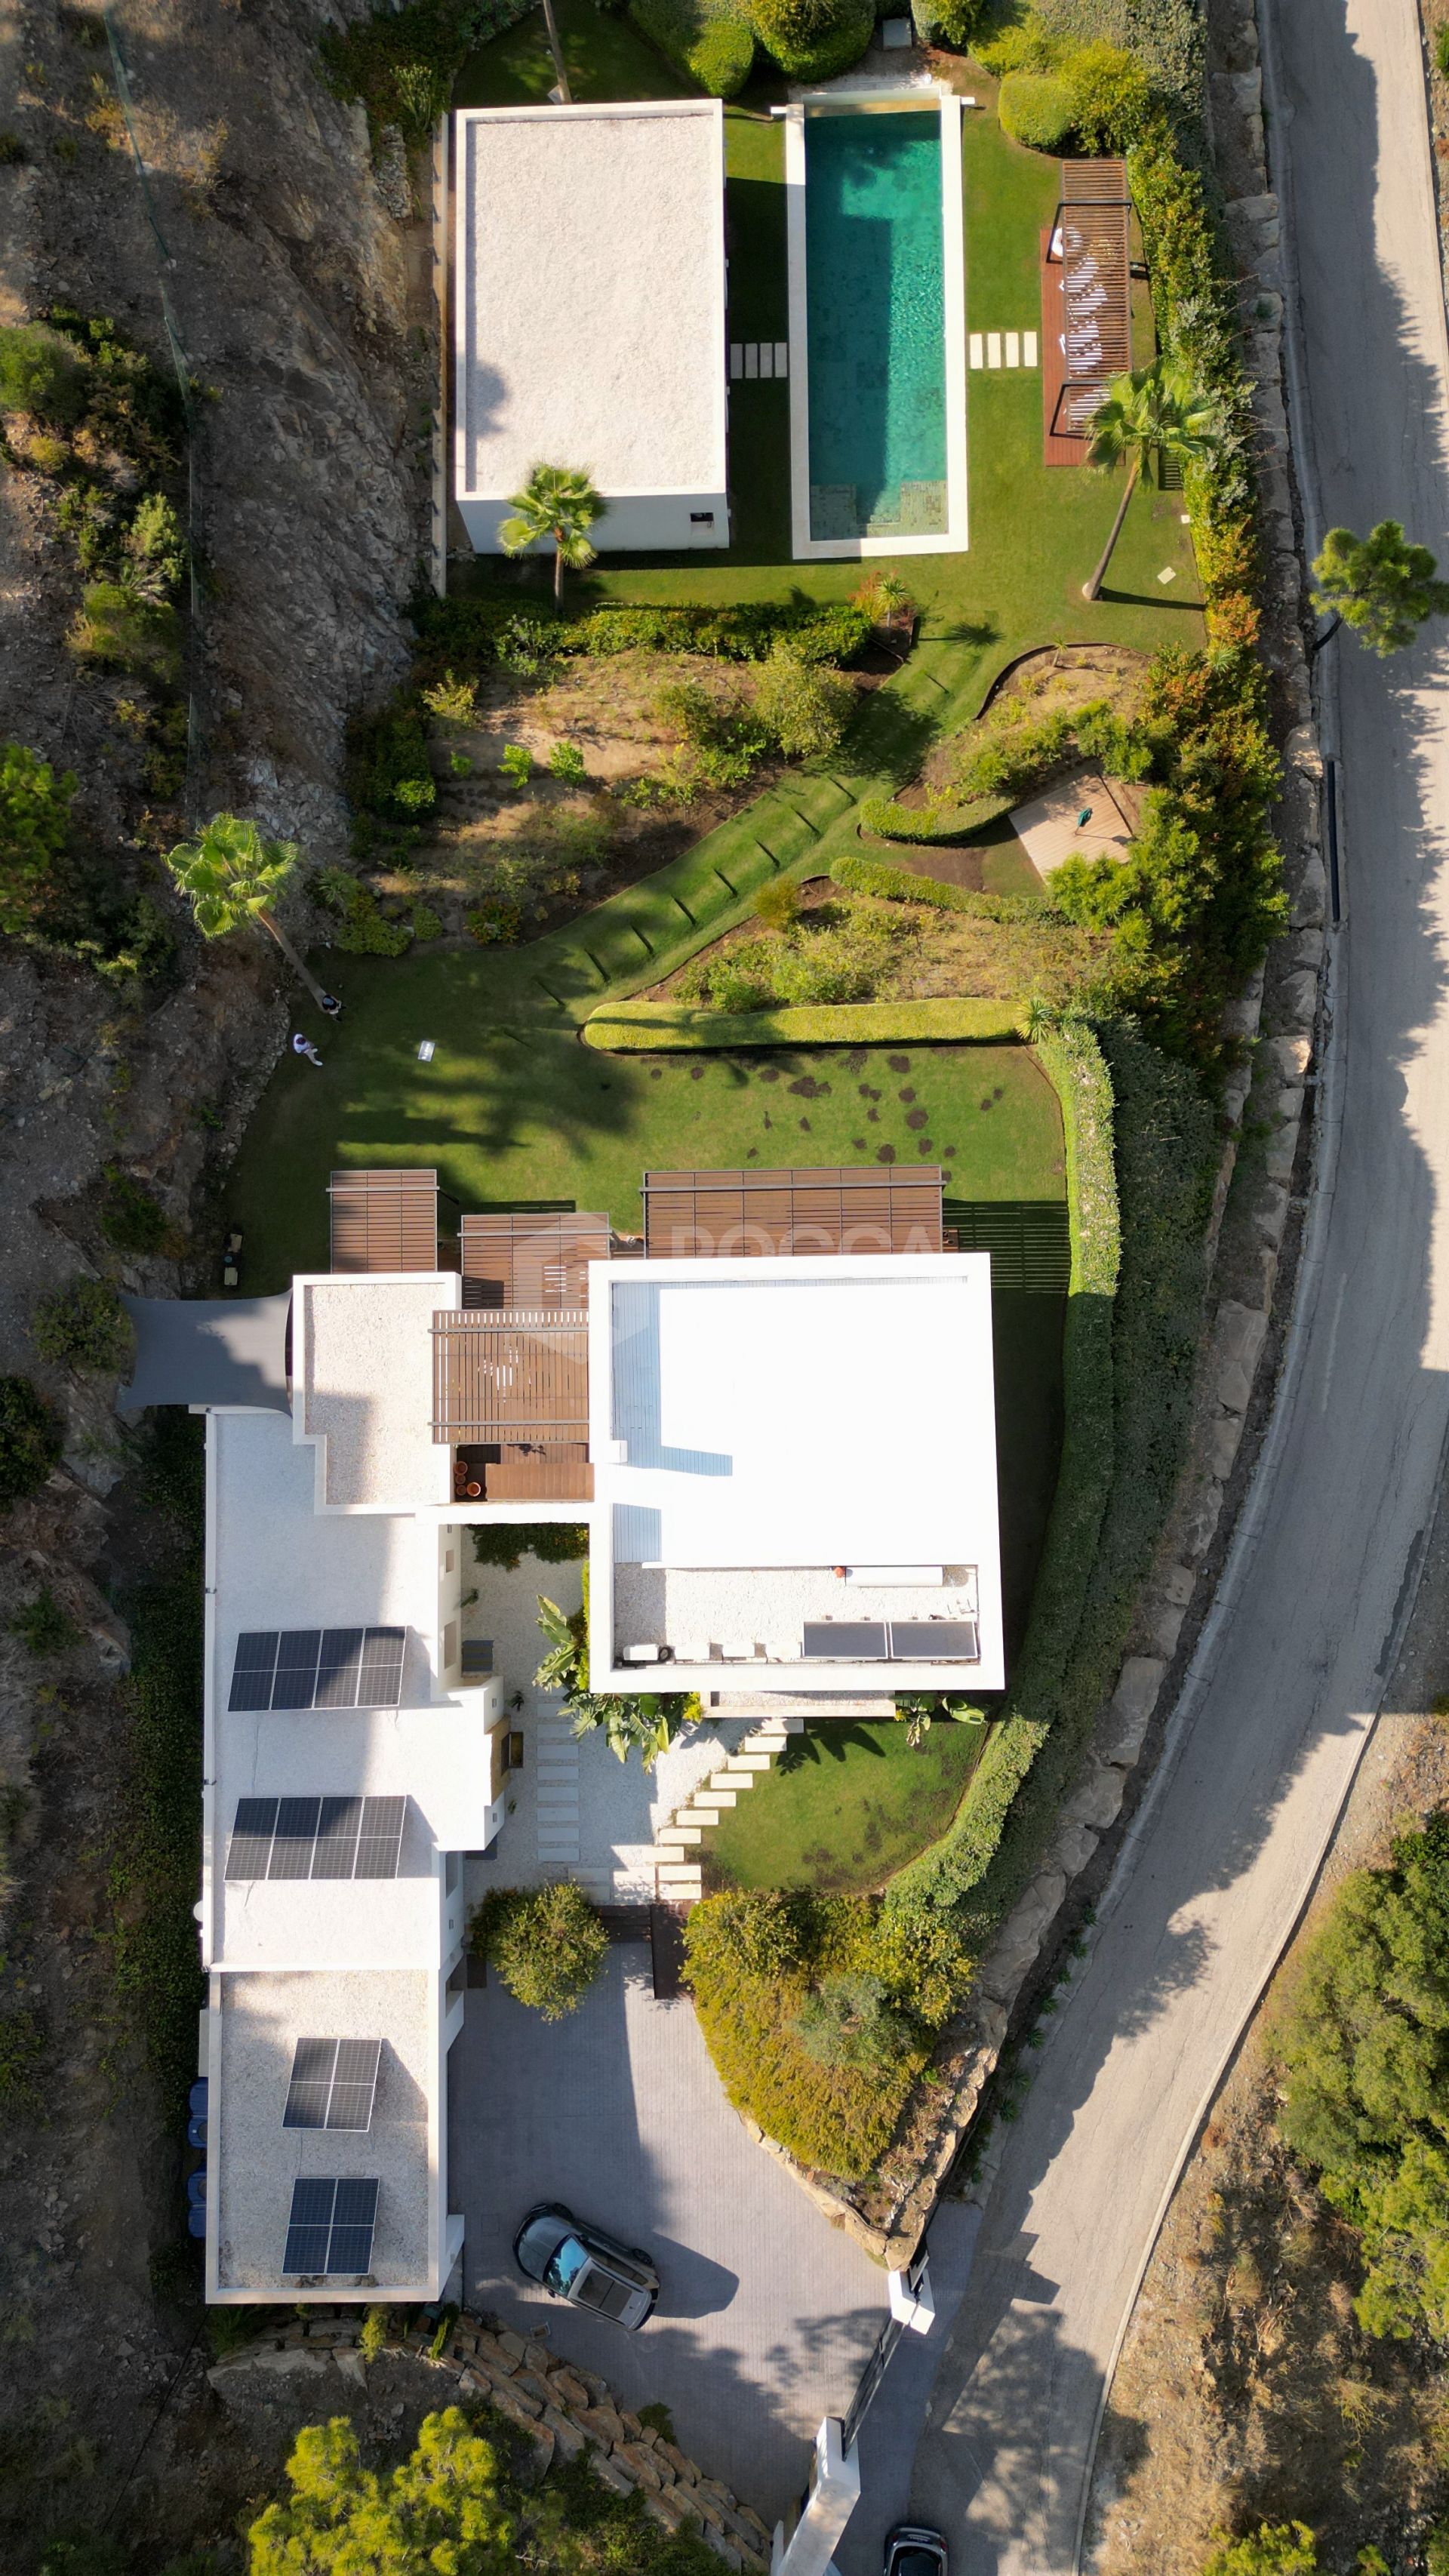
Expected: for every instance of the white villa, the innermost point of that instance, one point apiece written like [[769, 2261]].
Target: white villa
[[773, 1412], [589, 314]]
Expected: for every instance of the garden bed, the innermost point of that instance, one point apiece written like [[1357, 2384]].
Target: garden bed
[[848, 1803]]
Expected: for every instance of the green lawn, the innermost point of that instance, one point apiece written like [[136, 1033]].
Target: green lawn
[[520, 1114], [844, 1808]]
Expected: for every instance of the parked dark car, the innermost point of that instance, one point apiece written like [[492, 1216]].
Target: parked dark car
[[912, 2550], [584, 2266]]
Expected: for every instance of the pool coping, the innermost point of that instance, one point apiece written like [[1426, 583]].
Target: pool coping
[[804, 547]]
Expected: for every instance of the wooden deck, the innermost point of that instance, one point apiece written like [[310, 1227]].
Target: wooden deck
[[515, 1376], [1086, 303], [384, 1220], [730, 1215]]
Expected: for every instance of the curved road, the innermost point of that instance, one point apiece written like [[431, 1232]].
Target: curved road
[[1224, 1853]]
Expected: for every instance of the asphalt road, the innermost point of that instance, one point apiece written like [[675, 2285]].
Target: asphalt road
[[1227, 1849]]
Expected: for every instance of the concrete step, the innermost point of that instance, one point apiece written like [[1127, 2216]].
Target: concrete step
[[743, 1763], [709, 1803], [679, 1882], [669, 1836]]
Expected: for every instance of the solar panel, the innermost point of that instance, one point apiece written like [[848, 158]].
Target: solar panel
[[256, 1661], [337, 1832], [853, 1641], [316, 1838], [295, 1685], [379, 1844], [334, 2084], [934, 1641], [352, 2224], [311, 2085], [251, 1838], [309, 2230], [337, 1668], [295, 1835], [318, 1668]]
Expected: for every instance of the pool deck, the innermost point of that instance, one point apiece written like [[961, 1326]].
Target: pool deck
[[874, 100]]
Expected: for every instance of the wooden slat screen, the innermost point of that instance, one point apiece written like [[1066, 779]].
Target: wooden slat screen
[[384, 1220], [869, 1210], [524, 1374], [525, 1257]]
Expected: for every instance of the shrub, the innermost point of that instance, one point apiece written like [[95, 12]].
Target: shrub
[[121, 628], [814, 39], [778, 905], [1037, 108], [132, 1217], [364, 930], [1365, 2054], [157, 547], [31, 1439], [12, 149], [372, 2341], [759, 1967], [847, 2021], [402, 65], [566, 761], [713, 43], [40, 373], [495, 922], [83, 1326], [34, 831], [516, 764], [547, 1944], [804, 708], [485, 631], [1274, 2549], [42, 1626], [1441, 51], [389, 773], [506, 1543], [945, 821], [426, 924], [452, 702]]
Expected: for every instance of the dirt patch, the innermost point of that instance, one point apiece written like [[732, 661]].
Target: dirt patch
[[1247, 2390], [1045, 684]]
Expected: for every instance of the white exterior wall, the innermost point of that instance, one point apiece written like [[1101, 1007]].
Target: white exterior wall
[[635, 523]]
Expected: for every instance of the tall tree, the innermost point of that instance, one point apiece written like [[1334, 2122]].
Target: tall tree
[[1380, 585], [557, 501], [232, 876], [1157, 407], [556, 49]]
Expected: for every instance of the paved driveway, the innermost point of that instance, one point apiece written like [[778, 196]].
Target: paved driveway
[[766, 2313]]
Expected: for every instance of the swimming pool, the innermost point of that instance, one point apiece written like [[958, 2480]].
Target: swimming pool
[[877, 361]]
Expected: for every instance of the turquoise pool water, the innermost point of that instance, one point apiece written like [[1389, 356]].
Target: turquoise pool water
[[875, 312]]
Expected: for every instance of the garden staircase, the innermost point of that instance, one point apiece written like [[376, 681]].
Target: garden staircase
[[676, 1868]]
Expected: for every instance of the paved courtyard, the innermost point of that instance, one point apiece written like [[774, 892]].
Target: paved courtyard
[[766, 2313]]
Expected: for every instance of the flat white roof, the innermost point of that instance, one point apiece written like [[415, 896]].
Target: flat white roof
[[590, 296], [362, 1367], [784, 1413]]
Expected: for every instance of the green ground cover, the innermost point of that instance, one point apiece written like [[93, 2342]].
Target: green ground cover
[[524, 1113], [848, 1803]]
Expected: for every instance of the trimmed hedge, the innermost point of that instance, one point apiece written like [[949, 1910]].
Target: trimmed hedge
[[671, 1028], [891, 821], [899, 885], [713, 44], [1138, 1217], [1038, 109], [473, 629], [813, 40]]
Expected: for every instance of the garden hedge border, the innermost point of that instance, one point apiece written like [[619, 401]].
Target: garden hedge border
[[1073, 1062], [624, 1028], [901, 885], [888, 820]]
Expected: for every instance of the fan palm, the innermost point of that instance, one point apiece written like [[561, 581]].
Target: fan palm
[[560, 502], [231, 876], [1158, 406]]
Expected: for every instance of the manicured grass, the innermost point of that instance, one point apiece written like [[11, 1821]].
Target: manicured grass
[[526, 1114], [848, 1805], [605, 57]]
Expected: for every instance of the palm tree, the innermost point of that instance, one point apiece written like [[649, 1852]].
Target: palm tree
[[231, 875], [1158, 406], [557, 501], [556, 49]]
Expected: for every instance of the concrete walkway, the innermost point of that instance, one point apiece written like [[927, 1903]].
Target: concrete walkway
[[767, 2313], [1226, 1850]]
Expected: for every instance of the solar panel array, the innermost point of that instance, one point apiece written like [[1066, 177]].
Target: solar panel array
[[316, 1838], [318, 1668], [330, 2229], [334, 2084]]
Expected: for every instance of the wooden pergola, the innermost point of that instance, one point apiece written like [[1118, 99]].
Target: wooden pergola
[[729, 1215], [384, 1220], [531, 1257], [1086, 302], [518, 1378]]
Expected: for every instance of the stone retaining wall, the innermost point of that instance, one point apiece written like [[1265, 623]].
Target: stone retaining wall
[[560, 2407]]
